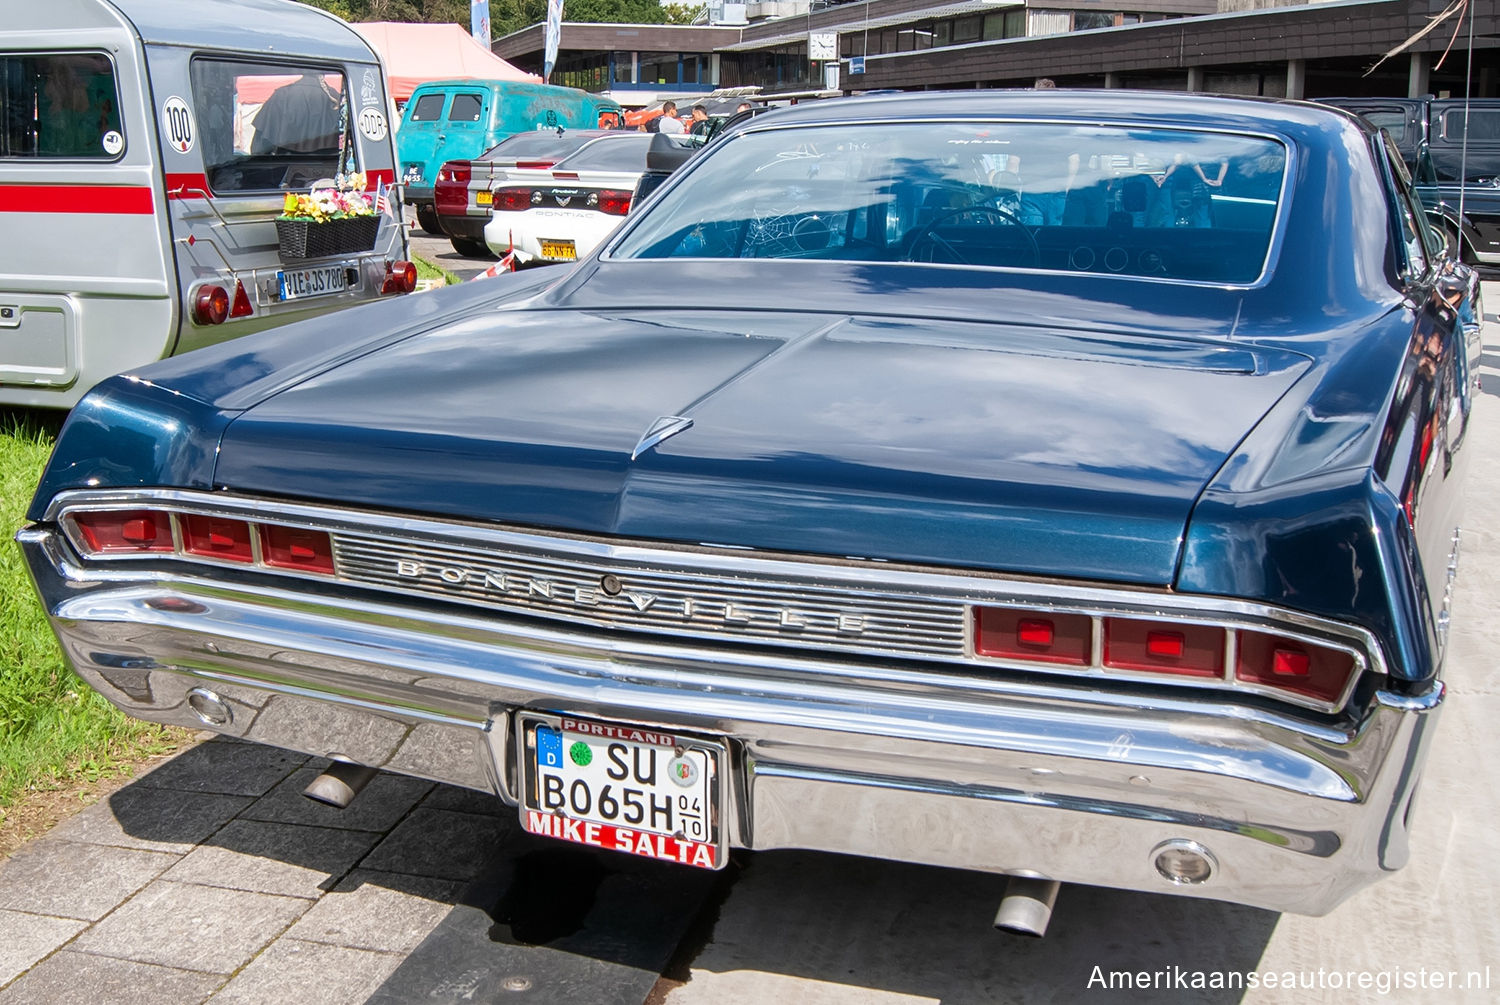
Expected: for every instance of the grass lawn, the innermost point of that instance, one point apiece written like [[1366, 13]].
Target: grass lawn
[[55, 732]]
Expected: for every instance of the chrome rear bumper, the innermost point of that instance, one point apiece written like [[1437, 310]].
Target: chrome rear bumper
[[1070, 782]]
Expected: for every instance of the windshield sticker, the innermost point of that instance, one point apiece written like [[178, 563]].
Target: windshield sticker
[[177, 124], [113, 142], [372, 124]]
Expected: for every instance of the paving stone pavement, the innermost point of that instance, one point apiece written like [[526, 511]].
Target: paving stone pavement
[[211, 878]]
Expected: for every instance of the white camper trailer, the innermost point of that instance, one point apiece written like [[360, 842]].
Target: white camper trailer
[[146, 149]]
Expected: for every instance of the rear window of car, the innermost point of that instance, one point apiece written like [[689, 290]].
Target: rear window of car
[[426, 108], [1162, 203], [536, 144], [465, 108], [620, 153], [59, 105]]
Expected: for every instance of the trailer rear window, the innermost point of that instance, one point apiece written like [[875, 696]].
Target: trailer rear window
[[268, 126], [59, 105]]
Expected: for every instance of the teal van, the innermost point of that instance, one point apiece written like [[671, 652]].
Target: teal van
[[449, 120]]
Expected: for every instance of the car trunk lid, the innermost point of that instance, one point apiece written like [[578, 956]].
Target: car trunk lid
[[956, 444]]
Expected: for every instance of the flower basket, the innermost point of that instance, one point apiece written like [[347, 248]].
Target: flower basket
[[319, 239]]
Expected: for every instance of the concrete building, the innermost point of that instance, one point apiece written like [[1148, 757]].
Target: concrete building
[[1264, 47]]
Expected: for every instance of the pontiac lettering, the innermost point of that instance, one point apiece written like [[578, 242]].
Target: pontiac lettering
[[517, 587]]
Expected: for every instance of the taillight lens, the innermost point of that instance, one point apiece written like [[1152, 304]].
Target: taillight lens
[[535, 165], [1293, 665], [1164, 647], [211, 306], [615, 202], [1025, 635], [216, 537], [458, 171], [511, 199], [1263, 661], [450, 192], [297, 548], [400, 277], [116, 531]]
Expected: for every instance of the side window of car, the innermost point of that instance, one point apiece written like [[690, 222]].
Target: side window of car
[[1411, 221], [59, 105]]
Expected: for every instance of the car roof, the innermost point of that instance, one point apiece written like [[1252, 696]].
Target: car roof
[[1104, 106]]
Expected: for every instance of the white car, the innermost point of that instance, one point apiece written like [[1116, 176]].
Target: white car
[[561, 213]]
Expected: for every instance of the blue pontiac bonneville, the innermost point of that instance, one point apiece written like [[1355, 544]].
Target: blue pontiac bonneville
[[1059, 484]]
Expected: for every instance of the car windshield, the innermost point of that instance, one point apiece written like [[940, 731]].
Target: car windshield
[[1174, 204]]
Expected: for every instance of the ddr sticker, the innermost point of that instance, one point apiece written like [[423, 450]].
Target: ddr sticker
[[113, 143], [372, 124], [177, 124]]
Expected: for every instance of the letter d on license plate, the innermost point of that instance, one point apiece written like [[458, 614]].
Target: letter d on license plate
[[636, 789]]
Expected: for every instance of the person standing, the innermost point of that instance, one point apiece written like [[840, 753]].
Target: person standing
[[669, 122]]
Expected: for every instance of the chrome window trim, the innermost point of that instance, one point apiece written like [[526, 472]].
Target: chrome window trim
[[951, 593]]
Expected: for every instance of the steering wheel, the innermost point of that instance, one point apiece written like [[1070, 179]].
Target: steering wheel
[[928, 233]]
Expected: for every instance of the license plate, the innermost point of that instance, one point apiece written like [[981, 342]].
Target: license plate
[[564, 250], [299, 284], [633, 789], [484, 198]]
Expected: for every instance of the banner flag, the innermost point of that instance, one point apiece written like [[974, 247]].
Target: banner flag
[[551, 37]]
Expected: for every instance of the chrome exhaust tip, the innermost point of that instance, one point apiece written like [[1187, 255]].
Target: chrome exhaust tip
[[1027, 906], [340, 783]]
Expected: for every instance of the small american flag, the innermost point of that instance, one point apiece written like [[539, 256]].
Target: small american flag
[[382, 199]]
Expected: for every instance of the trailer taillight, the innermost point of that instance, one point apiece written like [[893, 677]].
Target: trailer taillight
[[211, 305], [400, 277]]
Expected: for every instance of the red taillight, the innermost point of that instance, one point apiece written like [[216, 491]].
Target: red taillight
[[450, 192], [295, 548], [615, 202], [1030, 635], [511, 198], [565, 175], [211, 306], [535, 165], [216, 537], [1192, 650], [458, 171], [241, 307], [1292, 665], [115, 531], [400, 277]]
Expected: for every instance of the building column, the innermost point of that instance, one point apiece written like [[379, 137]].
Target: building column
[[1296, 78], [1111, 79], [635, 67], [713, 69], [1418, 80], [1195, 78]]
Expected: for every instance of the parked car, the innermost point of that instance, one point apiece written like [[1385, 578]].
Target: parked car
[[450, 120], [146, 150], [561, 213], [1452, 149], [462, 191], [999, 495]]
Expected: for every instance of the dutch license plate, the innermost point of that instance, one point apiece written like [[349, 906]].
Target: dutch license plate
[[484, 198], [625, 788], [298, 284], [564, 250]]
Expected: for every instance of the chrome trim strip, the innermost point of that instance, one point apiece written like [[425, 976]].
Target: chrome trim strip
[[850, 606]]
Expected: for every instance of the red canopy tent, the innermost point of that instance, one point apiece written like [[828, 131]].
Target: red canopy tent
[[417, 53], [413, 54]]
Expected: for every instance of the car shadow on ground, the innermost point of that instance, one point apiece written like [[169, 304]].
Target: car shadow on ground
[[235, 812]]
